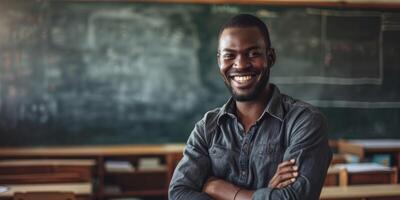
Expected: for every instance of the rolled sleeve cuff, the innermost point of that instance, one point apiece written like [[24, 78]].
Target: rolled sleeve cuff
[[262, 194]]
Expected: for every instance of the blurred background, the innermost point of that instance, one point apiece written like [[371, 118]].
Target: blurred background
[[107, 72], [98, 97]]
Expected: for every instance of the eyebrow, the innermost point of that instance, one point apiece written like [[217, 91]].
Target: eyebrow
[[247, 49]]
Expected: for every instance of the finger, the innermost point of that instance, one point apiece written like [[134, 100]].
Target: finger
[[287, 169], [273, 184], [286, 176], [286, 163], [280, 179], [275, 180], [286, 183]]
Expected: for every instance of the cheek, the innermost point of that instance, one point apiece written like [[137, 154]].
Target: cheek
[[223, 68], [261, 64], [222, 72]]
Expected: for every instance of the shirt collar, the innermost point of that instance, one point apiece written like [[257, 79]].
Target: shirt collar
[[227, 110], [274, 107]]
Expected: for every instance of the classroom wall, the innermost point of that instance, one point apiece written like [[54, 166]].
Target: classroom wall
[[111, 73]]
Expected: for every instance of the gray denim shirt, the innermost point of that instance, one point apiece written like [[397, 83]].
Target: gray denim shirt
[[288, 129]]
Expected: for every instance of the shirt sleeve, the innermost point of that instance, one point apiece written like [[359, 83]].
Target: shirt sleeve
[[308, 145], [193, 170]]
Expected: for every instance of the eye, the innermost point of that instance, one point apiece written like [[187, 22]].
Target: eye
[[254, 53], [228, 56]]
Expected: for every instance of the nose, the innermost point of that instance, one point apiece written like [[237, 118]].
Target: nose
[[241, 61]]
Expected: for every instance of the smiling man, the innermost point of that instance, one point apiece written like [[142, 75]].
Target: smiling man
[[261, 144]]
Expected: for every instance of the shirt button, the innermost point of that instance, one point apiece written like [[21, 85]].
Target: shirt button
[[243, 173], [245, 148]]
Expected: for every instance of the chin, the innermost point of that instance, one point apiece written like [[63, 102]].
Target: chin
[[244, 97]]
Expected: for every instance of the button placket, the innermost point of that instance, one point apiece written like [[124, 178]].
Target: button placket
[[246, 148], [244, 159]]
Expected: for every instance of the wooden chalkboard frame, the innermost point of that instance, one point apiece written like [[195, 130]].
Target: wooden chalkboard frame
[[379, 4]]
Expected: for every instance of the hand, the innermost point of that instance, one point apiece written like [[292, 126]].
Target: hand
[[284, 175], [209, 185], [220, 189]]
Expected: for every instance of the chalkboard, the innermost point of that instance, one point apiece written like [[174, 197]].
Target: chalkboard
[[77, 73]]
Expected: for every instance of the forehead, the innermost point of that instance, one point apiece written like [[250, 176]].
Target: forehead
[[237, 38]]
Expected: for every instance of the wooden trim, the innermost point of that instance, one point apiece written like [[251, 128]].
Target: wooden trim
[[48, 162], [363, 4], [343, 177], [90, 151]]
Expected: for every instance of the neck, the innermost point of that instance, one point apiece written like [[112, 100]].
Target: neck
[[249, 111]]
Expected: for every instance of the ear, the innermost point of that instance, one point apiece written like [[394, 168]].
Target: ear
[[271, 56], [218, 61]]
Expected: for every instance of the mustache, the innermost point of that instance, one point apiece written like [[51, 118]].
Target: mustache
[[247, 71]]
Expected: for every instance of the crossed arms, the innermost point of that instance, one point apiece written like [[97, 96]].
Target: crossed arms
[[220, 189], [308, 145]]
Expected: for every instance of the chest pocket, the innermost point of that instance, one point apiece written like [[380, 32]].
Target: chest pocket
[[221, 160], [267, 158], [270, 152]]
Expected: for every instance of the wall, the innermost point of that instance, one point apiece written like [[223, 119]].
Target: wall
[[110, 73]]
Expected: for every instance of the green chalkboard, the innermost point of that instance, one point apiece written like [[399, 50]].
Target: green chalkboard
[[112, 73]]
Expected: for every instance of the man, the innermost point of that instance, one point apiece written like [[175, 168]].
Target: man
[[261, 144]]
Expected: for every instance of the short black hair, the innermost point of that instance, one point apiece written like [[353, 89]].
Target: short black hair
[[247, 21]]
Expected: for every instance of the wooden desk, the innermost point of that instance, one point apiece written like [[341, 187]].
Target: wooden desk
[[27, 171], [340, 175], [332, 177], [387, 191], [81, 190], [368, 147], [90, 151], [47, 162], [338, 158], [170, 154]]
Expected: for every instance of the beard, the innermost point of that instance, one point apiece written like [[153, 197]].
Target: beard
[[254, 93]]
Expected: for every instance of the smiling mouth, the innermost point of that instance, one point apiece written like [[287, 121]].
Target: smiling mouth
[[242, 78]]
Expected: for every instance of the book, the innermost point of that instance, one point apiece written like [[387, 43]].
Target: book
[[150, 163], [362, 167], [351, 158], [3, 189], [119, 166], [383, 159]]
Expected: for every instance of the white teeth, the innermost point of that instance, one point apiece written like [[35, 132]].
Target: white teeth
[[241, 78]]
